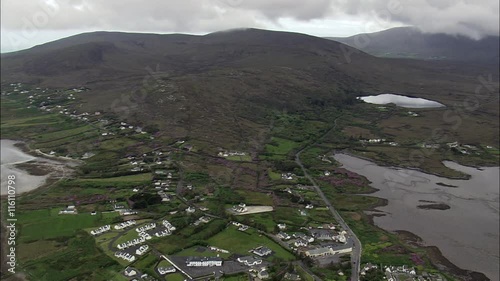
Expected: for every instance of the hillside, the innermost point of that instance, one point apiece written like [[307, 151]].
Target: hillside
[[408, 42], [221, 88]]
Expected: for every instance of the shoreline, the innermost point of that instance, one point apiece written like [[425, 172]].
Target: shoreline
[[53, 168], [387, 165], [433, 252]]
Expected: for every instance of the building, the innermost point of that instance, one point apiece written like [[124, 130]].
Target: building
[[130, 271], [263, 274], [283, 236], [250, 261], [262, 251], [301, 243], [70, 209], [203, 261], [165, 270], [319, 252]]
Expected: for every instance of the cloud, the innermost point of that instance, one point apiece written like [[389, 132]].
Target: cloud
[[467, 17]]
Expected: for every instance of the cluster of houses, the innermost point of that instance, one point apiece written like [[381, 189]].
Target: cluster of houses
[[124, 224], [126, 256], [101, 230], [141, 250], [169, 228], [133, 242], [400, 273], [146, 227]]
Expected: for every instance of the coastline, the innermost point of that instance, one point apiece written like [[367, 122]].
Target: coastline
[[387, 165], [433, 252], [53, 168]]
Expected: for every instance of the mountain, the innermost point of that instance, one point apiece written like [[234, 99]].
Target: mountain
[[409, 42], [222, 87]]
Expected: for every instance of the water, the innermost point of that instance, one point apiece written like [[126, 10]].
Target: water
[[402, 101], [11, 155], [467, 234]]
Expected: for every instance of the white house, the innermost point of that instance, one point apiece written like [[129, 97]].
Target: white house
[[250, 261]]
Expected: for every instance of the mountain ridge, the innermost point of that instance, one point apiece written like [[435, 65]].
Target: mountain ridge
[[409, 42]]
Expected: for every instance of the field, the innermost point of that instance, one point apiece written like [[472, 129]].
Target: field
[[236, 241], [46, 224]]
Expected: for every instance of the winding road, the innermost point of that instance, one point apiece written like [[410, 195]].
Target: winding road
[[356, 244]]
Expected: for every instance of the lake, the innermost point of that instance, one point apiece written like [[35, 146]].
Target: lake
[[467, 233], [11, 155], [403, 101]]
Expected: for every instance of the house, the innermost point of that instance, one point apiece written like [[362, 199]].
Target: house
[[309, 206], [281, 226], [283, 236], [301, 243], [241, 208], [129, 272], [250, 260], [203, 261], [190, 209], [327, 173], [287, 176], [302, 213], [263, 274], [70, 209], [262, 251]]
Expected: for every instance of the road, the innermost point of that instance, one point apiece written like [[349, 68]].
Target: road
[[356, 252]]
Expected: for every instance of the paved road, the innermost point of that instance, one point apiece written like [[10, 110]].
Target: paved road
[[356, 253]]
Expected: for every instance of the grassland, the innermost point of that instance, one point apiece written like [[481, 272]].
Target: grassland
[[47, 224], [236, 241]]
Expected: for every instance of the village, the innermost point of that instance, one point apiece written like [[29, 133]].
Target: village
[[171, 226]]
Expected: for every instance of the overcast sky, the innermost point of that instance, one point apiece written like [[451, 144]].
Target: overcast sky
[[25, 23]]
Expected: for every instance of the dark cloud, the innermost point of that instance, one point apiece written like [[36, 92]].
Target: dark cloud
[[466, 17]]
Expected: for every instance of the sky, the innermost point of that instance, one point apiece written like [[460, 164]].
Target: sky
[[25, 23]]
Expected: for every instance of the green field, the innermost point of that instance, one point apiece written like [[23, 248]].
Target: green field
[[144, 177], [281, 146], [255, 198], [236, 241], [46, 224]]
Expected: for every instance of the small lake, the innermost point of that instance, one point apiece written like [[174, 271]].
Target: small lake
[[467, 233], [11, 155], [403, 101]]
